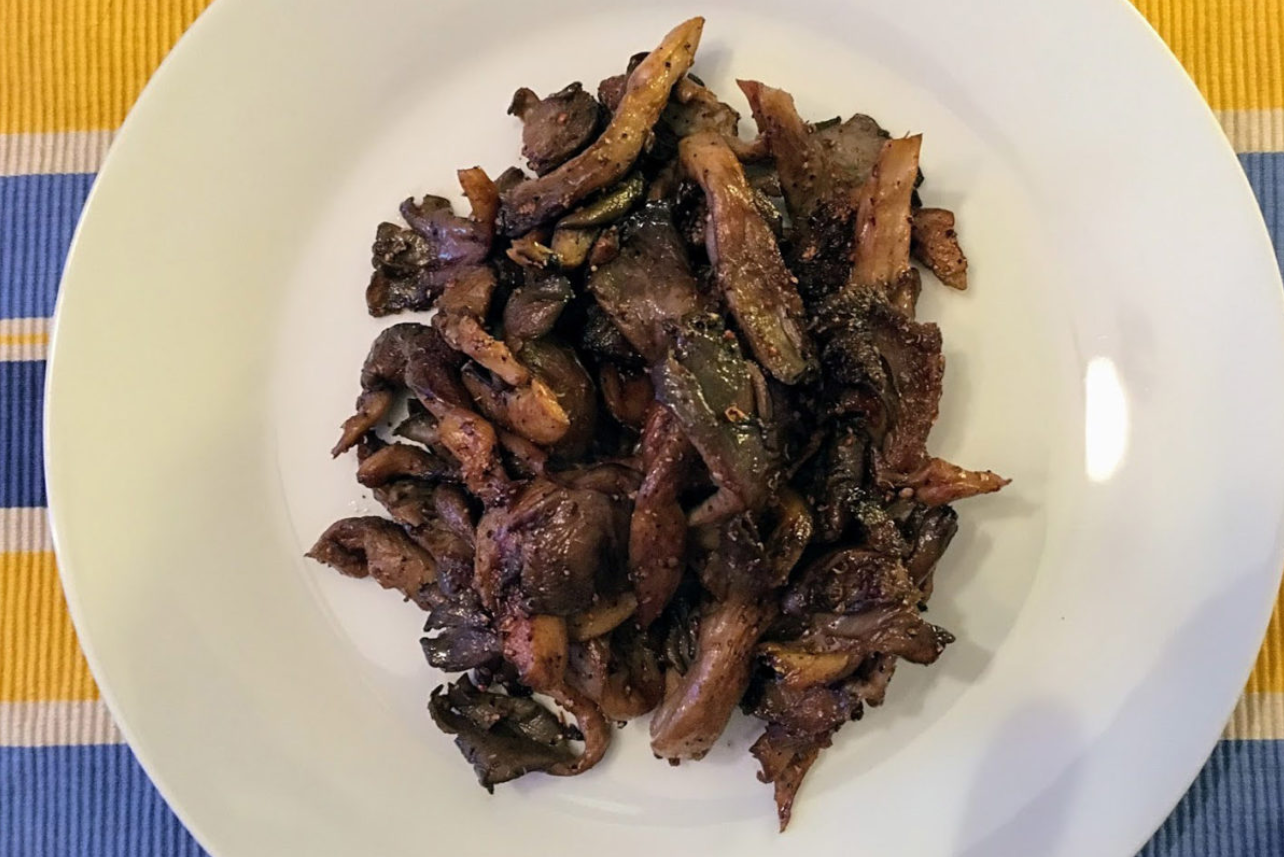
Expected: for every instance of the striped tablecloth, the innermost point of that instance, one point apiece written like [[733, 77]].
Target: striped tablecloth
[[69, 71]]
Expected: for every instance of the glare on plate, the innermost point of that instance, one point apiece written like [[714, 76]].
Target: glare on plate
[[1105, 420]]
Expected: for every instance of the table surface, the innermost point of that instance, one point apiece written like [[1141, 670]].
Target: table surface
[[69, 71]]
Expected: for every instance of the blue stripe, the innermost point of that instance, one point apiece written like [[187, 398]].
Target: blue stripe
[[84, 802], [1266, 174], [1232, 810], [22, 479], [37, 216]]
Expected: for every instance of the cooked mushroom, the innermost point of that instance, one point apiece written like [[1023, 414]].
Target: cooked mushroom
[[612, 154], [658, 529], [378, 548], [666, 441], [556, 127], [758, 288]]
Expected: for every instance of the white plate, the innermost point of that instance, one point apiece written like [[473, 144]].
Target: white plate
[[1121, 355]]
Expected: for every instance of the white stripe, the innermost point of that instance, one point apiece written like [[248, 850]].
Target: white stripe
[[60, 152], [24, 338], [1257, 717], [56, 724], [24, 530], [1254, 130]]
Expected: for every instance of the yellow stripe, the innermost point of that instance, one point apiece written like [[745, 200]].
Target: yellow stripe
[[1234, 49], [1268, 673], [78, 65], [16, 339], [39, 657]]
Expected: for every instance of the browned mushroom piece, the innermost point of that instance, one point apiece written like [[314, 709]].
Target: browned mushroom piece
[[696, 710], [658, 530], [556, 127], [407, 356], [935, 243], [613, 153], [378, 548], [759, 290]]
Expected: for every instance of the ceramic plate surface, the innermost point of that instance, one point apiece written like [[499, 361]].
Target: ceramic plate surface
[[1120, 355]]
